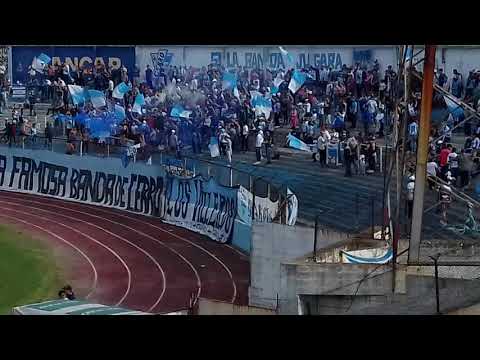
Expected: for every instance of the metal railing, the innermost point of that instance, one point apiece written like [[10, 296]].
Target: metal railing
[[224, 174]]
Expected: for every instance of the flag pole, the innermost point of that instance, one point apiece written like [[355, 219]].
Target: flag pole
[[422, 152]]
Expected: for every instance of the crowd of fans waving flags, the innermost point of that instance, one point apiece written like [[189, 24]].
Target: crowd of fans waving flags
[[104, 113]]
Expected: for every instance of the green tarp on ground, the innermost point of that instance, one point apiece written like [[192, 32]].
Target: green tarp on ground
[[72, 307]]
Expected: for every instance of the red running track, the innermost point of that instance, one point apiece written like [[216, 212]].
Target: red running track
[[132, 260]]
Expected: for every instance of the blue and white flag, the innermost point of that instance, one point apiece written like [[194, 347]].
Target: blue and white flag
[[179, 111], [78, 94], [297, 81], [277, 81], [454, 109], [409, 53], [139, 102], [229, 81], [261, 105], [276, 85], [296, 143], [290, 62], [292, 208], [236, 93], [97, 98], [119, 112], [368, 256], [120, 90], [40, 62]]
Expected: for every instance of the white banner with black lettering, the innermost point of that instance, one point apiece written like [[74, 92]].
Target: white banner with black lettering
[[127, 190], [292, 208], [265, 209], [202, 206]]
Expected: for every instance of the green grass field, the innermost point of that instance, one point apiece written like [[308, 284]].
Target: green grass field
[[28, 272]]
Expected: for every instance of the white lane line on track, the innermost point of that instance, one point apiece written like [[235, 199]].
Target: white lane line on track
[[192, 267], [95, 274], [129, 283], [112, 234], [237, 251], [101, 209]]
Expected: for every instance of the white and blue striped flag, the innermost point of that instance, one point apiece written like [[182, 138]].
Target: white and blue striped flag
[[179, 111], [262, 105], [296, 143], [384, 258], [290, 62], [236, 93], [119, 112], [39, 62], [139, 102], [120, 90], [297, 80], [454, 109], [276, 85], [78, 94], [97, 98], [229, 81], [409, 53]]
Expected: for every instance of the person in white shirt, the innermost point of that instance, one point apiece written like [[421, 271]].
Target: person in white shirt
[[432, 170], [453, 163], [322, 144], [110, 88], [61, 83], [372, 106], [33, 133], [308, 106], [321, 112], [258, 145], [410, 193], [228, 148], [194, 84], [245, 132]]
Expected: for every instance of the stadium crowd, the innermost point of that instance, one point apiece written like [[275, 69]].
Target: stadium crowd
[[348, 108], [327, 100]]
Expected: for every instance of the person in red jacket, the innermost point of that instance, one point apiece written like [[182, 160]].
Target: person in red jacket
[[294, 119], [446, 150]]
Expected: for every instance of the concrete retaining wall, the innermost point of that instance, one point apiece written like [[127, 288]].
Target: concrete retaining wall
[[419, 299], [213, 307], [274, 244]]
